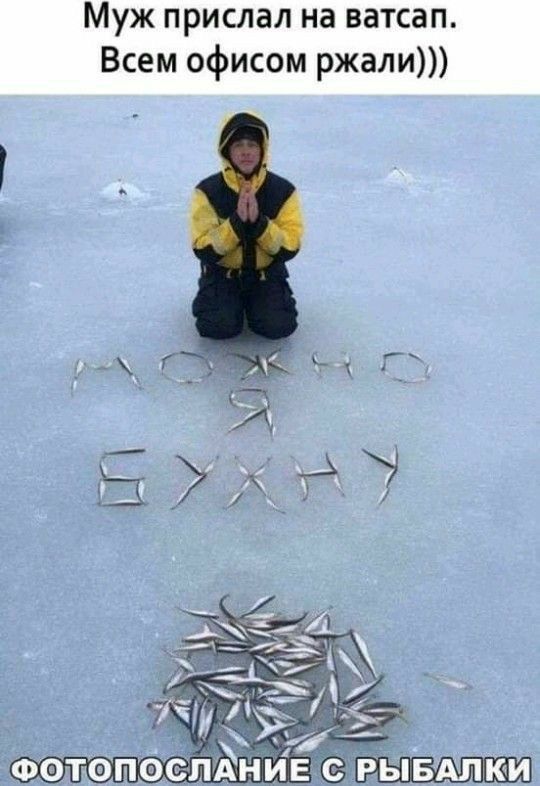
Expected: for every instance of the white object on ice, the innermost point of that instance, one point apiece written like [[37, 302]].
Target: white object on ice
[[120, 190], [399, 177]]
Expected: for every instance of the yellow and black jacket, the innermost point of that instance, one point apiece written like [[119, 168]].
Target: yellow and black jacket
[[218, 235]]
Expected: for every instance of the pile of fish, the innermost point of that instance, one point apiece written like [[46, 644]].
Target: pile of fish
[[246, 689]]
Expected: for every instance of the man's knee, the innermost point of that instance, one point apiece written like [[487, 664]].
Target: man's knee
[[277, 325], [218, 308], [218, 328]]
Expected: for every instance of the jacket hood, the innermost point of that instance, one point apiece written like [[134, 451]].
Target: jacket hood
[[230, 124]]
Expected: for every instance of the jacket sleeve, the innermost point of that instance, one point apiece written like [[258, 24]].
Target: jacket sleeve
[[281, 237], [211, 237]]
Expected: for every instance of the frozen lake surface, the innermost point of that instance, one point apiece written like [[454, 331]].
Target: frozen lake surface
[[422, 235]]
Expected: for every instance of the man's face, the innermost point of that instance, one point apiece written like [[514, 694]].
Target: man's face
[[245, 155]]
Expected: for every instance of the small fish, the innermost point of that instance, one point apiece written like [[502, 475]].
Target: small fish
[[226, 750], [259, 484], [183, 662], [125, 365], [207, 723], [233, 712], [300, 669], [102, 488], [348, 661], [361, 646], [366, 736], [163, 708], [333, 689], [193, 647], [140, 491], [197, 613], [268, 665], [194, 714], [239, 494], [320, 622], [236, 736], [180, 710], [362, 690], [273, 730], [382, 459], [451, 682], [233, 630], [308, 743], [259, 604], [177, 678], [316, 703], [80, 365], [358, 715], [383, 495], [205, 635], [247, 419], [122, 503]]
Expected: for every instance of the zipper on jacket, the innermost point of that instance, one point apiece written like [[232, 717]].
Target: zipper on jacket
[[249, 253]]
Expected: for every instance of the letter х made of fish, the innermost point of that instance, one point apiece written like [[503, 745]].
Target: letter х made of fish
[[391, 462], [331, 471], [252, 478], [81, 365], [345, 363], [255, 410], [200, 473], [261, 363]]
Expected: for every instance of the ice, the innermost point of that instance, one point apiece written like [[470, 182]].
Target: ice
[[440, 578]]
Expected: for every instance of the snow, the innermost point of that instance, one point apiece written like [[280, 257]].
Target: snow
[[440, 261]]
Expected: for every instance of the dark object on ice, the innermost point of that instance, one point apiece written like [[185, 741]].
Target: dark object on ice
[[264, 296], [3, 155]]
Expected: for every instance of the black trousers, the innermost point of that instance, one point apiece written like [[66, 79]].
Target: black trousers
[[224, 297]]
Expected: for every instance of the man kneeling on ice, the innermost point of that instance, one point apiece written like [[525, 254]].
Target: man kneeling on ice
[[246, 223]]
